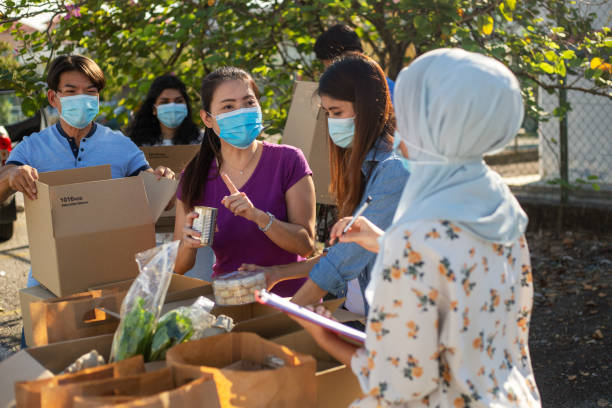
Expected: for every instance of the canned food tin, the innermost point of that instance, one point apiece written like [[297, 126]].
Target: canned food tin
[[205, 224]]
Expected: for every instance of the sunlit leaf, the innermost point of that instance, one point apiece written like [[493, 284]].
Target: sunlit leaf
[[596, 62], [487, 26], [546, 67], [506, 13]]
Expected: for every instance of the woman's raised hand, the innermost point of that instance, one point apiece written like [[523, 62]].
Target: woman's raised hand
[[191, 237], [238, 203], [363, 232]]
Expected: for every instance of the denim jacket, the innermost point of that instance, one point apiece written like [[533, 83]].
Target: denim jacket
[[346, 261]]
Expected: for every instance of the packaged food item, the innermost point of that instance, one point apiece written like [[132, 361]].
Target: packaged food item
[[143, 302], [134, 334], [180, 325], [205, 224], [238, 288], [88, 360], [223, 324]]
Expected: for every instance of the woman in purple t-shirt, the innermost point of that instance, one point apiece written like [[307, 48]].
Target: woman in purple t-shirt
[[263, 192]]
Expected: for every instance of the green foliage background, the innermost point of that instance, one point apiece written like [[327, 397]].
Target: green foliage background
[[135, 41]]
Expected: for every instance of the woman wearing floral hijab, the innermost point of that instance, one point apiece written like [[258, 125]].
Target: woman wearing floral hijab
[[451, 291]]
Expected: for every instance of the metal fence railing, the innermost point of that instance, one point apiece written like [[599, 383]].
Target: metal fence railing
[[536, 156]]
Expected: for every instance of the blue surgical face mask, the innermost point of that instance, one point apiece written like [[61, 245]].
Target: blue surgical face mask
[[341, 131], [396, 142], [79, 110], [172, 114], [240, 127]]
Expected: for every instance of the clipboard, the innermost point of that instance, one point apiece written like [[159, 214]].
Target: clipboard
[[266, 298]]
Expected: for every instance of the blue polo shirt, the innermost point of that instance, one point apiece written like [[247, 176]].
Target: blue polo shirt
[[52, 149]]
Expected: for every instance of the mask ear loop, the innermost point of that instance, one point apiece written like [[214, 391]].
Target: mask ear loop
[[397, 139]]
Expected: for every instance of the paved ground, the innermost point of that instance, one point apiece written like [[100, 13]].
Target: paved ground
[[570, 337], [14, 267]]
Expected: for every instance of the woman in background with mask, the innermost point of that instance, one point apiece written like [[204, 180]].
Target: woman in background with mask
[[355, 97], [264, 192], [164, 118]]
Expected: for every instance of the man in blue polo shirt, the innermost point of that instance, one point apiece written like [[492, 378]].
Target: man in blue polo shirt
[[75, 140]]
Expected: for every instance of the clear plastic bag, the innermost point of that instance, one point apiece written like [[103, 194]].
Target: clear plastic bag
[[180, 325], [142, 304]]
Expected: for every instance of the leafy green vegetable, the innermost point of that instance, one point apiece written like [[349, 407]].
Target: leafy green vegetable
[[133, 336], [173, 328]]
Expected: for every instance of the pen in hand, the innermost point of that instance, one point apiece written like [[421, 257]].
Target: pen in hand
[[351, 222]]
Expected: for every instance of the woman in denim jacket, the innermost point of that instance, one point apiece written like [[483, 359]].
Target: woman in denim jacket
[[355, 97]]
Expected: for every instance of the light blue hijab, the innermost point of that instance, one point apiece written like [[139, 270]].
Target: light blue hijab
[[452, 107]]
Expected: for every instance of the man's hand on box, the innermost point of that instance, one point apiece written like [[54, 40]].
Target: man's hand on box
[[23, 178], [164, 172]]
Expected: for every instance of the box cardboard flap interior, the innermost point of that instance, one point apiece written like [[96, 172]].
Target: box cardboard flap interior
[[85, 208], [174, 157], [39, 223], [80, 175], [306, 129], [181, 288], [302, 116], [18, 367], [55, 357], [159, 192]]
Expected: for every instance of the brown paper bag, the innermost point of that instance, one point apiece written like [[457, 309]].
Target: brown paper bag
[[74, 316], [29, 393], [290, 386], [168, 387]]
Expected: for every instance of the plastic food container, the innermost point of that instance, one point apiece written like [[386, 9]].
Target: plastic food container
[[238, 288]]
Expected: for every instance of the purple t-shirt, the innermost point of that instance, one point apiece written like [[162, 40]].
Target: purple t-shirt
[[239, 240]]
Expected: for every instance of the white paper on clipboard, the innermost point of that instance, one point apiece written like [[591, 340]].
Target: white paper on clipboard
[[266, 298]]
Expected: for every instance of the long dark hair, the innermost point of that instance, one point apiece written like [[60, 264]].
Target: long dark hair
[[197, 171], [360, 80], [145, 129]]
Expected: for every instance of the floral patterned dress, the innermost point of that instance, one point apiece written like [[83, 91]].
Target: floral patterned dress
[[449, 322]]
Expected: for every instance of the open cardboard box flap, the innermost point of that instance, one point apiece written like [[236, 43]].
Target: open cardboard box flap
[[21, 366], [159, 192], [174, 157], [71, 176], [306, 129]]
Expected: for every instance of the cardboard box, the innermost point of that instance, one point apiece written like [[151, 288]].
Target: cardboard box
[[27, 296], [85, 227], [181, 287], [337, 386], [45, 361], [306, 129], [175, 158]]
